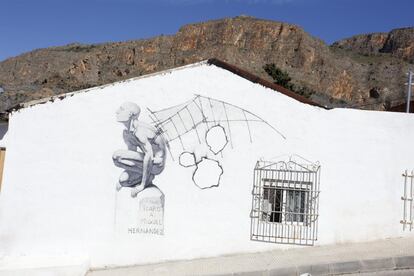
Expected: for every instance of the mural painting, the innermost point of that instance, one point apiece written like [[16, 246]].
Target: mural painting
[[145, 155], [202, 128], [143, 159], [198, 131]]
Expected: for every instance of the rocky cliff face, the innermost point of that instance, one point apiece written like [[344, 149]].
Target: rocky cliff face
[[337, 75], [363, 44], [398, 43]]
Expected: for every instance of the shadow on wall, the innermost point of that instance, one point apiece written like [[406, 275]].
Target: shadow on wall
[[3, 129]]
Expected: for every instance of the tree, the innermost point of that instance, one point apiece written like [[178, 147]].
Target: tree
[[279, 76]]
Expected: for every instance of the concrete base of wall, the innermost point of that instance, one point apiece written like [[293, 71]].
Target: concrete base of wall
[[384, 255], [350, 267], [44, 266]]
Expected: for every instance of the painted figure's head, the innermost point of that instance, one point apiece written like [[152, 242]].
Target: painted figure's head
[[127, 111]]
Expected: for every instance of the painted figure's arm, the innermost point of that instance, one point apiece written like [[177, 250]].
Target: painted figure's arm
[[147, 162]]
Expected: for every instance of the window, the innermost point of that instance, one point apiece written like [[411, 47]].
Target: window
[[285, 202], [272, 204]]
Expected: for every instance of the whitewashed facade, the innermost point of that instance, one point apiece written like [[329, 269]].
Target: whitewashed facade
[[59, 196]]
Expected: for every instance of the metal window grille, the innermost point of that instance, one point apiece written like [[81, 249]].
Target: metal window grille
[[285, 203], [407, 199]]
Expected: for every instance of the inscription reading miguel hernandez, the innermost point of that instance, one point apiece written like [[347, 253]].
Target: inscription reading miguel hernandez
[[150, 217]]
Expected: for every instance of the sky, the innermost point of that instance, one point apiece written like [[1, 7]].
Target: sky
[[26, 25]]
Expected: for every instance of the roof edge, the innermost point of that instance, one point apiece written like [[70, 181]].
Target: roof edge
[[212, 61], [255, 79], [72, 93]]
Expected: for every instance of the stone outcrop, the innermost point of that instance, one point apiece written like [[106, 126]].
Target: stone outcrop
[[344, 74], [398, 43], [363, 44]]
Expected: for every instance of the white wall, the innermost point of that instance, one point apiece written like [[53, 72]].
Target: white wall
[[59, 197]]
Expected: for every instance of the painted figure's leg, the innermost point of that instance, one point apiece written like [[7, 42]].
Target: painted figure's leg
[[123, 178], [128, 160], [118, 186], [137, 189], [130, 179]]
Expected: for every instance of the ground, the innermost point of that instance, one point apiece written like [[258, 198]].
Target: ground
[[384, 257]]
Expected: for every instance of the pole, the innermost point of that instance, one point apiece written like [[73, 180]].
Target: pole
[[410, 78]]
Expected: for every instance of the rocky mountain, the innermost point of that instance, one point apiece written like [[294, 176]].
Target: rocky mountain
[[398, 43], [366, 71]]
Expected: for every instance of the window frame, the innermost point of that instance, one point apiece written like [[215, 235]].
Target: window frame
[[286, 179]]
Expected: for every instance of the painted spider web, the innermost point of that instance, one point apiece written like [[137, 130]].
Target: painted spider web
[[198, 115]]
